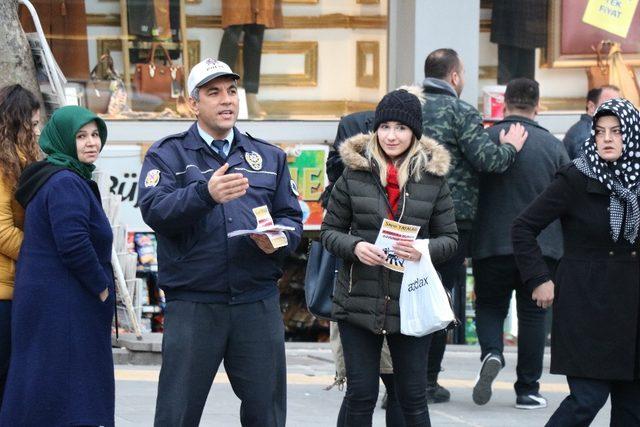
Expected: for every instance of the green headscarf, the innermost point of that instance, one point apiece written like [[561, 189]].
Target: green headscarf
[[58, 138]]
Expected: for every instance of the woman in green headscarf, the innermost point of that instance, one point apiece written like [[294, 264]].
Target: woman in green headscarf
[[61, 370]]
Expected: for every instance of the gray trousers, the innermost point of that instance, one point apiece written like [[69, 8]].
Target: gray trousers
[[198, 337]]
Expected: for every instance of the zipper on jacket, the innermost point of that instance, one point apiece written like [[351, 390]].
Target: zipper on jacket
[[404, 199], [386, 199], [350, 278]]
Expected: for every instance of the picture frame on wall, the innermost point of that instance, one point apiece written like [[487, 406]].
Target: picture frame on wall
[[570, 40]]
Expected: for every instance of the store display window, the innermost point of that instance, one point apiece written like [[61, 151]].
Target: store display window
[[558, 43], [129, 59]]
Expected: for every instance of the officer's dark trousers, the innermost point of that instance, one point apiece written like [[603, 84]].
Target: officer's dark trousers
[[589, 395], [362, 362], [251, 52], [250, 340], [495, 280]]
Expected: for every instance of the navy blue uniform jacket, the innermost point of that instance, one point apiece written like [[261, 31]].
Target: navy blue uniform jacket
[[196, 260]]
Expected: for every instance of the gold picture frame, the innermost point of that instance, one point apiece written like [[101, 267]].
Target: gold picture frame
[[368, 1], [332, 20], [364, 49], [307, 48], [186, 1]]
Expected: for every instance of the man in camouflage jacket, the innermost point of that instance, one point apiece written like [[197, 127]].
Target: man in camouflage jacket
[[458, 126]]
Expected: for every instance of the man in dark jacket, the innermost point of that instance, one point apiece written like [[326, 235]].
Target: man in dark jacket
[[458, 127], [350, 125], [502, 198], [217, 308], [581, 131]]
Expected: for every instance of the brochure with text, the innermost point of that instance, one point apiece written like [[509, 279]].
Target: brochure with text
[[390, 233]]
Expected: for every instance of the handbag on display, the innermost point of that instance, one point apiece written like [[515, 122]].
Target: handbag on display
[[320, 279], [100, 90], [598, 75], [163, 81], [613, 71]]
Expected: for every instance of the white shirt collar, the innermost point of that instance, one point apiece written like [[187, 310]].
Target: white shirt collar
[[209, 139]]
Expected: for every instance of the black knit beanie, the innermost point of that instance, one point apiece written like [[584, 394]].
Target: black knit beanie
[[400, 106]]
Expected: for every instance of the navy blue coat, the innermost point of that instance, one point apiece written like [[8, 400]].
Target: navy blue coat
[[61, 370], [196, 260]]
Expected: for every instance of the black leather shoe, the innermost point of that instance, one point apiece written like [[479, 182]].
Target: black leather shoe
[[437, 394]]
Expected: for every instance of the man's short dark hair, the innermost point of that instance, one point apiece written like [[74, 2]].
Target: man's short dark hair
[[440, 63], [594, 94], [522, 94]]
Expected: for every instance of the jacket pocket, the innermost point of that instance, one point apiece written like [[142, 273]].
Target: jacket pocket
[[262, 179]]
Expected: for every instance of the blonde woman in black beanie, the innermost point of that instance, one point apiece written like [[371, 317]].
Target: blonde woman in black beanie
[[399, 174]]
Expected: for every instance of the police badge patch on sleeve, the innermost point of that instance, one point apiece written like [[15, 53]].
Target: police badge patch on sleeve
[[294, 188], [152, 179]]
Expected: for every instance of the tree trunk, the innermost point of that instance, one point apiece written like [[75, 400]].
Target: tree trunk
[[16, 63]]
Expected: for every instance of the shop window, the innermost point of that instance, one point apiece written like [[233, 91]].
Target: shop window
[[296, 58]]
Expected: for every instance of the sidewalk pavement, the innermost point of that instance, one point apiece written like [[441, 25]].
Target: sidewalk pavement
[[310, 370]]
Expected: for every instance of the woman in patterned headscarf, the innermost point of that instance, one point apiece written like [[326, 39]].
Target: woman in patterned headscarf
[[596, 313]]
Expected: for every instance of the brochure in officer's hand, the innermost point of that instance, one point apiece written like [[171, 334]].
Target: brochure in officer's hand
[[266, 226], [266, 231]]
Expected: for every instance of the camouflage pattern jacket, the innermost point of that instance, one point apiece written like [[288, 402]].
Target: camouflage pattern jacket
[[458, 126]]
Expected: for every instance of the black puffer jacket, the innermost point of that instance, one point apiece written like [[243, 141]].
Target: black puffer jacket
[[368, 296]]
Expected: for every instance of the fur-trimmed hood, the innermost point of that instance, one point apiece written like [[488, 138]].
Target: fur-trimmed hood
[[432, 157]]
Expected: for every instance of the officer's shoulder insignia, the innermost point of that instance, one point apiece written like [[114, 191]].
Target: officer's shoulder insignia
[[257, 139], [152, 179], [294, 188], [168, 138], [254, 159]]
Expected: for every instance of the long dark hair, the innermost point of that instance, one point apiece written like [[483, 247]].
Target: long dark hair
[[17, 134]]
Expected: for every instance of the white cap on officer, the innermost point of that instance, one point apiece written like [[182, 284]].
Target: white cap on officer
[[207, 70]]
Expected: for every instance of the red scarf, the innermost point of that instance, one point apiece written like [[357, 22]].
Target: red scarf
[[393, 189]]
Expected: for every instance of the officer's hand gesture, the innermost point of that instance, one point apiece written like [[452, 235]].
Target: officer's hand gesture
[[224, 188]]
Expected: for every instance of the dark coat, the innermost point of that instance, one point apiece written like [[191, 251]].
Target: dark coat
[[350, 125], [458, 127], [61, 370], [597, 293], [368, 296], [519, 23], [503, 196]]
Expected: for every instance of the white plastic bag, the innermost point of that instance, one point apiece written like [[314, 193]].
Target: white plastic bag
[[424, 304]]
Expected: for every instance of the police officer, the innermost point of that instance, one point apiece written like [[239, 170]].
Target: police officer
[[222, 298]]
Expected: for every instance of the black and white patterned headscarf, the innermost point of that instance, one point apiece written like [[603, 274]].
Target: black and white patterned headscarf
[[622, 176]]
